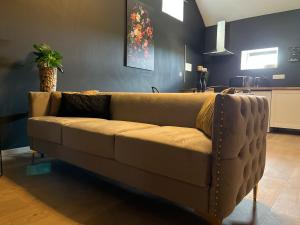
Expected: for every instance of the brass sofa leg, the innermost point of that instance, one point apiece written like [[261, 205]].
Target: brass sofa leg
[[209, 218], [215, 222], [1, 164], [255, 189]]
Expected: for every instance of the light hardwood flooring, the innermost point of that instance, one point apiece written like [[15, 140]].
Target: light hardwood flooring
[[68, 195]]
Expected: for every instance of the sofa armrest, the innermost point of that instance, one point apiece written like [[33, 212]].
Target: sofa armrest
[[39, 103], [239, 150]]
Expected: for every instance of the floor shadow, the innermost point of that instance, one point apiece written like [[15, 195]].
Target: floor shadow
[[89, 199], [253, 220]]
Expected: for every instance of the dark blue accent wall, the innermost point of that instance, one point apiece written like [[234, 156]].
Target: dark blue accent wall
[[276, 30], [90, 35]]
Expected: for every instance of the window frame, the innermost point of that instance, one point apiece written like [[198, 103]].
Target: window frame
[[246, 54], [168, 12]]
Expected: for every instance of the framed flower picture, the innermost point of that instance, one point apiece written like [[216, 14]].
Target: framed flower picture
[[140, 36]]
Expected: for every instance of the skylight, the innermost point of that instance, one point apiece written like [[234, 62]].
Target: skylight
[[174, 8]]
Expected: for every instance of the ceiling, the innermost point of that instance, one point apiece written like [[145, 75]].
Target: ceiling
[[213, 11]]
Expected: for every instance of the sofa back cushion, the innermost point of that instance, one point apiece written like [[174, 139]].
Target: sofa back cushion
[[159, 109], [55, 101], [38, 103]]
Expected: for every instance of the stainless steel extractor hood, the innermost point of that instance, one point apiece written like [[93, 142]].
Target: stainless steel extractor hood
[[220, 49]]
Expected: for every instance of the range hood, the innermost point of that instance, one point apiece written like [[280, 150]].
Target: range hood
[[220, 49]]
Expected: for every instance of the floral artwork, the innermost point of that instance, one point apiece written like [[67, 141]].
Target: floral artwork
[[140, 36]]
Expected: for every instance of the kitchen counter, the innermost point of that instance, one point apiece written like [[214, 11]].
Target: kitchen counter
[[268, 88], [246, 89], [283, 105]]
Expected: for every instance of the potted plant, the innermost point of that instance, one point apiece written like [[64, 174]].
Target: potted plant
[[48, 62]]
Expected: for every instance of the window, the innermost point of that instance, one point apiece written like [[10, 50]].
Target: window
[[174, 8], [259, 59]]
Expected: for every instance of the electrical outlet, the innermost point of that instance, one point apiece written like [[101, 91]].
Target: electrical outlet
[[279, 77]]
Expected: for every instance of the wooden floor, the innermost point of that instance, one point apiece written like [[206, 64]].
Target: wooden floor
[[33, 195]]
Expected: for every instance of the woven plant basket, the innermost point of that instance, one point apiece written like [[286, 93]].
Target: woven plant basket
[[48, 79]]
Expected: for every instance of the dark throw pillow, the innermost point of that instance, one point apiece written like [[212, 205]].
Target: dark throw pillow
[[80, 105]]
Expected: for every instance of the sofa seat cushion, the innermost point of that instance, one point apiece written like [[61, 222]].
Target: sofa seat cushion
[[49, 128], [176, 152], [98, 137]]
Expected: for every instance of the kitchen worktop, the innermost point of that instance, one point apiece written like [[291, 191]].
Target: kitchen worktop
[[268, 88], [245, 89]]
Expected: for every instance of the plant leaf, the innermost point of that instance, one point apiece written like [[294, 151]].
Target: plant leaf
[[48, 57]]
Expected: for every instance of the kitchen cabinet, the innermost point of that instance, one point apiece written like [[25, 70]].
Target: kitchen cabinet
[[268, 95], [284, 105], [285, 109]]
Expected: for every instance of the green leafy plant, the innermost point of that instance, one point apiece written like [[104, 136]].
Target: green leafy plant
[[46, 57]]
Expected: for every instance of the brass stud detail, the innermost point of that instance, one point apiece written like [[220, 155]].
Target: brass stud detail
[[218, 163]]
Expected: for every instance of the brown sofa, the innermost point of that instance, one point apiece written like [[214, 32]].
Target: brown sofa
[[152, 144]]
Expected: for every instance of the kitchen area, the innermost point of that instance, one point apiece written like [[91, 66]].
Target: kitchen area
[[284, 102], [258, 58]]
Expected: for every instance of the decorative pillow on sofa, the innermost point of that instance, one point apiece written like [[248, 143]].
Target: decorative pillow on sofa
[[81, 105], [204, 121], [228, 91], [55, 99]]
